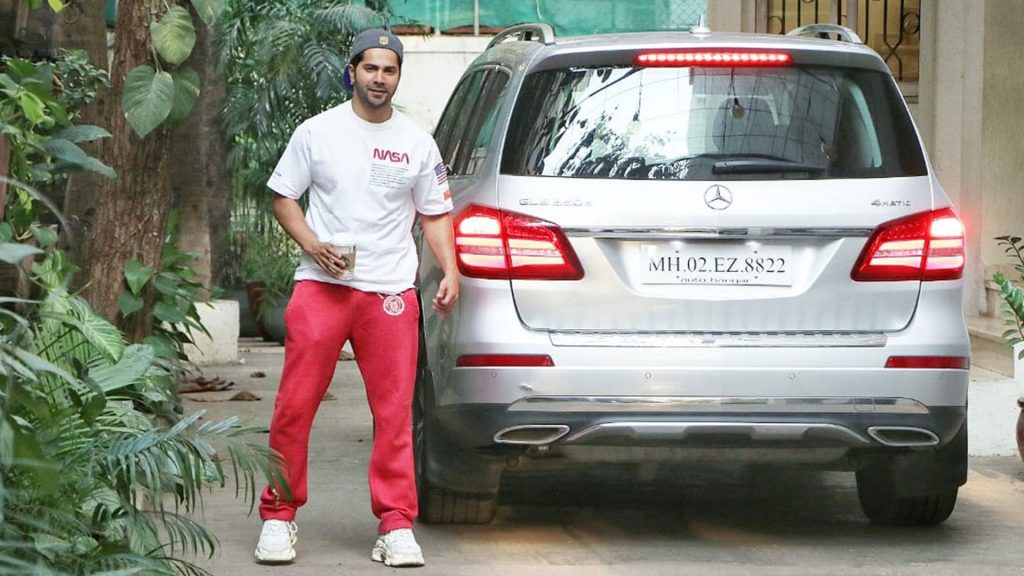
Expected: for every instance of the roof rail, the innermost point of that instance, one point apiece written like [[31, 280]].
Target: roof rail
[[537, 32], [823, 30]]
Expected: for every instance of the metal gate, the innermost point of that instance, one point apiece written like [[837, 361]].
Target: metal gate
[[891, 27]]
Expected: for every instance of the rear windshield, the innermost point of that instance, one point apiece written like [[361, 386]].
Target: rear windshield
[[711, 124]]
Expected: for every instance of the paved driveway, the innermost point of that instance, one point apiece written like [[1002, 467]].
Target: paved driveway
[[712, 520]]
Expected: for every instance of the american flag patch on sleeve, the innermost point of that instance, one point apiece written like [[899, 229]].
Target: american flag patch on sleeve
[[441, 173]]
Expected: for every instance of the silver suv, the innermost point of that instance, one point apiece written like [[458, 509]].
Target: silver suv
[[688, 247]]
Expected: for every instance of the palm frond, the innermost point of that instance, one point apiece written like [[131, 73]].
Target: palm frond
[[134, 364], [350, 18]]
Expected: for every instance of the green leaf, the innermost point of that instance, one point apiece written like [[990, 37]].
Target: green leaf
[[34, 108], [97, 331], [147, 98], [167, 284], [137, 275], [56, 5], [128, 304], [14, 253], [174, 36], [82, 133], [28, 453], [44, 235], [22, 69], [209, 10], [133, 365], [48, 545], [167, 313], [68, 153], [162, 346], [186, 92], [41, 365]]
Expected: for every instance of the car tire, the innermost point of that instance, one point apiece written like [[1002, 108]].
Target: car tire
[[440, 505], [882, 506], [883, 502]]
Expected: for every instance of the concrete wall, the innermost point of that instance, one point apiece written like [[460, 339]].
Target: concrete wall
[[950, 118], [970, 88], [221, 320], [432, 68], [1002, 124]]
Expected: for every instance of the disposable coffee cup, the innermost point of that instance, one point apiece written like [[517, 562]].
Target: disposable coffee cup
[[345, 244]]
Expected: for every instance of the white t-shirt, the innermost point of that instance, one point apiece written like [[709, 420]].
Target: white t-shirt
[[369, 180]]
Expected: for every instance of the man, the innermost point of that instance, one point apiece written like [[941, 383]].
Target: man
[[369, 171]]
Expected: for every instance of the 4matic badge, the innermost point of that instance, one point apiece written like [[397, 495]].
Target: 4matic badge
[[891, 203]]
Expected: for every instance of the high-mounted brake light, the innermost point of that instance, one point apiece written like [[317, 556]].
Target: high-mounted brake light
[[713, 57], [494, 243], [924, 246]]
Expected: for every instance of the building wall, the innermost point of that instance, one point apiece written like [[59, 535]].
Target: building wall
[[432, 68], [970, 88], [950, 96], [1002, 158]]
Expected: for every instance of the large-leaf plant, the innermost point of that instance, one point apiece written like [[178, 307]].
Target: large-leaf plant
[[91, 481], [1011, 293], [166, 89], [37, 122]]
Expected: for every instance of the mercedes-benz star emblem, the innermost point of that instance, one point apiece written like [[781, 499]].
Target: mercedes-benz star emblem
[[718, 197]]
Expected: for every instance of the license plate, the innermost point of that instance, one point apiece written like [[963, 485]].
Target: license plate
[[716, 263]]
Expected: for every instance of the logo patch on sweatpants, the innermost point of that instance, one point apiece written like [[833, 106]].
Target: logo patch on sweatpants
[[394, 305]]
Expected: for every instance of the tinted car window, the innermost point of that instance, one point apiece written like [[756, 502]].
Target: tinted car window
[[704, 123], [474, 142], [453, 120]]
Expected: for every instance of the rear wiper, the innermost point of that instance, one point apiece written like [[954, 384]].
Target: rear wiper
[[763, 165]]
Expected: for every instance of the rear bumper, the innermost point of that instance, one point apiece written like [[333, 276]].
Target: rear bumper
[[488, 426], [694, 391]]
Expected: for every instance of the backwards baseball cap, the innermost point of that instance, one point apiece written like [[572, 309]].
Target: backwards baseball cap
[[372, 38]]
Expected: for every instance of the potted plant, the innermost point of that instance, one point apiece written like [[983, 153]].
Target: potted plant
[[1013, 306], [268, 266]]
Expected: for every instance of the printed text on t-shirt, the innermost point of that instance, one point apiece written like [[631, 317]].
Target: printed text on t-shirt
[[390, 155], [388, 175]]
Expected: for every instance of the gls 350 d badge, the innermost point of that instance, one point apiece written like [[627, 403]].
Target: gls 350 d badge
[[718, 197]]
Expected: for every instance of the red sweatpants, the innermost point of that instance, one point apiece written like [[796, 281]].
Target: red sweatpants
[[320, 318]]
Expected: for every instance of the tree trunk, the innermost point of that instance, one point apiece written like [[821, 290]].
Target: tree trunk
[[131, 217], [83, 194], [199, 175]]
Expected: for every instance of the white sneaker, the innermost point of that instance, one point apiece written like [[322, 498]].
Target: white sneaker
[[397, 548], [277, 542]]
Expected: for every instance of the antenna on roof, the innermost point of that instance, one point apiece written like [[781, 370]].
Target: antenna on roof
[[701, 27]]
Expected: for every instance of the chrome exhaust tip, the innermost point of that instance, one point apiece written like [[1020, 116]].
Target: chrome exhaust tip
[[531, 434], [903, 436]]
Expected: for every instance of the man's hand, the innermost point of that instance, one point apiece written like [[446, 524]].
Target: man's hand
[[447, 294], [437, 230], [327, 257]]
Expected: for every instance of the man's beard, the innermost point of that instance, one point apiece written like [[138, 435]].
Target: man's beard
[[368, 101]]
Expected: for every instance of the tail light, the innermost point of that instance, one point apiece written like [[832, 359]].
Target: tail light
[[503, 360], [925, 246], [494, 243], [731, 58], [929, 362]]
